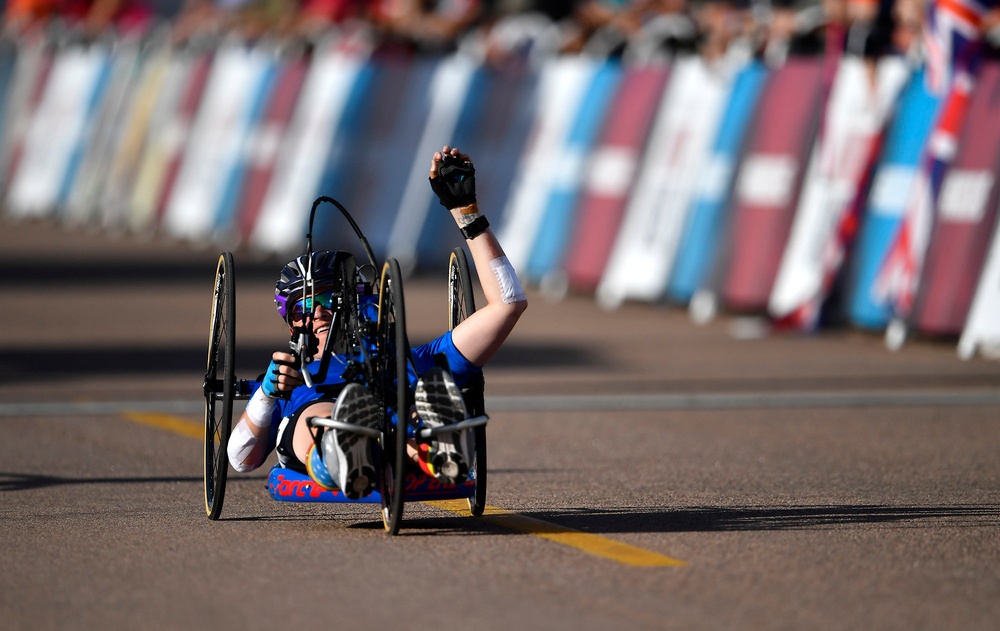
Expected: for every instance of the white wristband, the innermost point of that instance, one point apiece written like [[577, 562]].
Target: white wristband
[[260, 409], [510, 286]]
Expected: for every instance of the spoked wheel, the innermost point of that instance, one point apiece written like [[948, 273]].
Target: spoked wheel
[[220, 385], [393, 393], [462, 304]]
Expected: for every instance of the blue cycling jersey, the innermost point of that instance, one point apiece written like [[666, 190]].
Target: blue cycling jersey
[[423, 359]]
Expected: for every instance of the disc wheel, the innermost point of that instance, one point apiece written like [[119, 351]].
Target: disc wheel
[[393, 392], [462, 304], [220, 384]]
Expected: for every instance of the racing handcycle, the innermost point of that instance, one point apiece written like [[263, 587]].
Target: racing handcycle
[[369, 330]]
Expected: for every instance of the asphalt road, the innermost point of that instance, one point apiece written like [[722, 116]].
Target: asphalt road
[[645, 472]]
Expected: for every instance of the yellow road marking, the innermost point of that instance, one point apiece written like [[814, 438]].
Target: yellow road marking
[[585, 542], [167, 422], [594, 545]]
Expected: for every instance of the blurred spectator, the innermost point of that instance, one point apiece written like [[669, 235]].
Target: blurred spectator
[[721, 23], [92, 17], [318, 16], [251, 19], [790, 28], [426, 25], [648, 27], [524, 29]]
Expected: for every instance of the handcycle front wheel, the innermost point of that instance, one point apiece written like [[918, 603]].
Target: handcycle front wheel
[[392, 393], [462, 304], [220, 385]]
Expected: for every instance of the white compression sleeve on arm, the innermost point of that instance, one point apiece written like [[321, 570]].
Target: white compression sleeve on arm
[[510, 286], [241, 443]]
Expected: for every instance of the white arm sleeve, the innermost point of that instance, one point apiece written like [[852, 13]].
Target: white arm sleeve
[[241, 443]]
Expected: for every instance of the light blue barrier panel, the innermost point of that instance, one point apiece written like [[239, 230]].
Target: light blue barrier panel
[[80, 147], [341, 165], [707, 218], [552, 239], [227, 218], [452, 97], [90, 110], [492, 129], [437, 234], [498, 142], [102, 134], [390, 125], [890, 191]]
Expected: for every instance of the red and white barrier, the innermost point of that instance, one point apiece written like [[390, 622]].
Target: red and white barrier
[[677, 154], [768, 183]]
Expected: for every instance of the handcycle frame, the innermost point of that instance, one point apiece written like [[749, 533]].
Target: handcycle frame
[[378, 355]]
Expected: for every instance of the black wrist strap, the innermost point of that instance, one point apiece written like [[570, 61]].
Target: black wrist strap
[[476, 227]]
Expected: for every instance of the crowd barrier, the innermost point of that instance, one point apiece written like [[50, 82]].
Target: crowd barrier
[[768, 190]]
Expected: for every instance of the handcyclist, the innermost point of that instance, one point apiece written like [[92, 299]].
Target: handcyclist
[[344, 459]]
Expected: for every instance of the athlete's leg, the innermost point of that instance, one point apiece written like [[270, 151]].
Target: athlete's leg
[[345, 459]]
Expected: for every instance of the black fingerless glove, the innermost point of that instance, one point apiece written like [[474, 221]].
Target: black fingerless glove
[[455, 185]]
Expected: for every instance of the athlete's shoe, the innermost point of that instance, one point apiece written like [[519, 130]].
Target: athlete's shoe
[[439, 402], [349, 456]]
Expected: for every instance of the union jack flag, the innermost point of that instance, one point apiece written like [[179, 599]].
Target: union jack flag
[[952, 37]]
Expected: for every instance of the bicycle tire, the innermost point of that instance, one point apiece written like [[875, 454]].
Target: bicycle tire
[[393, 393], [219, 388], [462, 304]]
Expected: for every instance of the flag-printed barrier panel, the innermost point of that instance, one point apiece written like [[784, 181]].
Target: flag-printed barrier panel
[[899, 275], [849, 138], [966, 213], [705, 223], [611, 174], [768, 183], [891, 187], [502, 135]]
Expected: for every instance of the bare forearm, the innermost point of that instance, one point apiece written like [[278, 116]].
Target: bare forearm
[[479, 337]]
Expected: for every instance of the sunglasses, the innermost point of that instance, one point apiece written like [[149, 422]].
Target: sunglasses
[[308, 305]]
